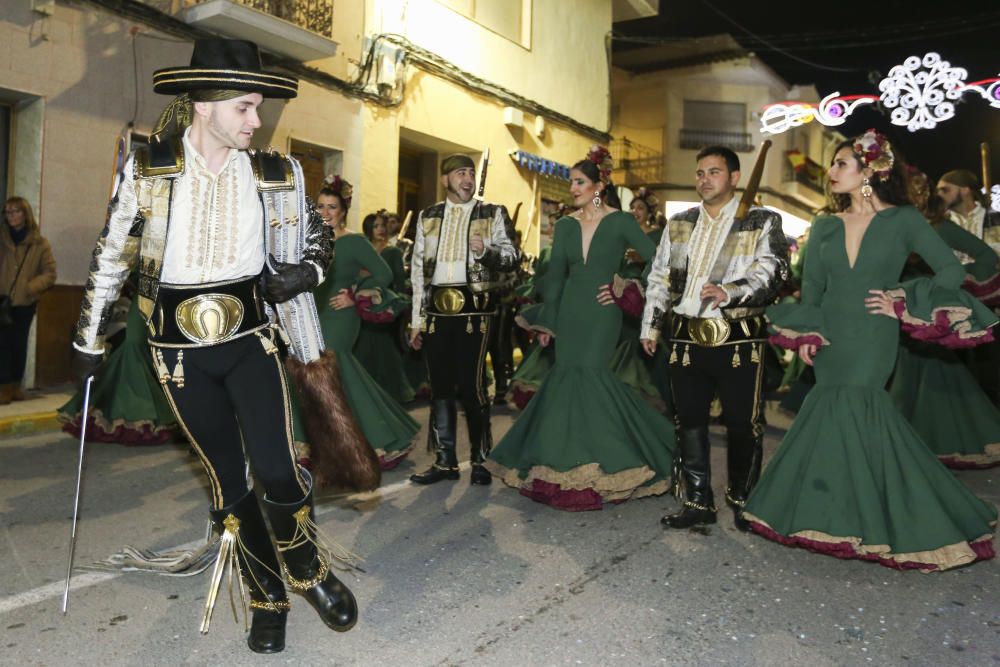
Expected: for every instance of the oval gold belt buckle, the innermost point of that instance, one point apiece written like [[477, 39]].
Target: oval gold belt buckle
[[709, 331], [209, 318], [449, 301]]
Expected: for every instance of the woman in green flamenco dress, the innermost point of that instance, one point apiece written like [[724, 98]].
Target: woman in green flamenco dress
[[852, 478], [377, 348], [586, 438], [388, 428], [933, 389], [127, 403]]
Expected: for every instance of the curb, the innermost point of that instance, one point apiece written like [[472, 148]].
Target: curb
[[27, 424]]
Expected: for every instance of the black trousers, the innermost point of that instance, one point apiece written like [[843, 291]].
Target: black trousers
[[234, 409], [734, 372], [14, 344], [456, 358], [501, 347]]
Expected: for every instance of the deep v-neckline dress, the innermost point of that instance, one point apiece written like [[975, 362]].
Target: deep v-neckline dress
[[852, 478], [586, 438]]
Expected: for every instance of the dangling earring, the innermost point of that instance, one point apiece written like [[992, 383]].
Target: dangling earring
[[866, 189], [597, 200]]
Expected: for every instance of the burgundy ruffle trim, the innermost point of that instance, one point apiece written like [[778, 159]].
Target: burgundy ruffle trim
[[122, 435], [631, 300], [988, 292], [845, 550], [939, 332], [364, 306], [389, 464], [569, 500], [787, 342], [520, 396]]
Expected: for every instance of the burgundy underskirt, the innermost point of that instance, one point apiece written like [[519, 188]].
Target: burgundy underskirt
[[122, 435], [570, 500]]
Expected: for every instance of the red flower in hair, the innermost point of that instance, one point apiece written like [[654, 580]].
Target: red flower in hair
[[344, 189], [601, 156]]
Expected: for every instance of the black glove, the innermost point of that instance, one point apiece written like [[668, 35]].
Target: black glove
[[84, 365], [289, 281]]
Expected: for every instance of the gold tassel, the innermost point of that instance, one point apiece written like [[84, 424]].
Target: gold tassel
[[482, 325], [736, 355], [226, 563], [163, 374], [269, 347], [468, 325], [673, 353], [686, 361], [754, 354], [430, 329], [179, 370], [307, 531]]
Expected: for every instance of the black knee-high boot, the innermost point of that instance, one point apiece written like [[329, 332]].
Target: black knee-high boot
[[245, 536], [444, 420], [699, 507], [744, 454], [307, 570], [480, 441]]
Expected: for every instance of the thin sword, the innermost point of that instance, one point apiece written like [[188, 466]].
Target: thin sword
[[76, 498]]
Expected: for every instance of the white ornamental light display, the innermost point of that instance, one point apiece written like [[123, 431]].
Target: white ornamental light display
[[920, 94], [995, 198]]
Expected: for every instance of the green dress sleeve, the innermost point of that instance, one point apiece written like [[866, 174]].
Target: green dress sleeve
[[796, 324], [627, 285], [555, 279], [935, 309], [393, 256], [982, 278], [373, 298]]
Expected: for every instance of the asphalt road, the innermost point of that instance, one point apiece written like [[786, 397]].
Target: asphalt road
[[461, 575]]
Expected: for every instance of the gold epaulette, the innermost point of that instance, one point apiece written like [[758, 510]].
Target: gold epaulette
[[272, 171], [161, 159]]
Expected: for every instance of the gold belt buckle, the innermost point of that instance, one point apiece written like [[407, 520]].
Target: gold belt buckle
[[709, 331], [209, 318], [449, 301]]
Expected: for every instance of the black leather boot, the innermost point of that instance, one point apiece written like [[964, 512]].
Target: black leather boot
[[261, 571], [441, 439], [307, 570], [480, 441], [699, 507], [744, 454]]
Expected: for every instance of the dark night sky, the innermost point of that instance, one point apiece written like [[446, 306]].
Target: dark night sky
[[867, 38]]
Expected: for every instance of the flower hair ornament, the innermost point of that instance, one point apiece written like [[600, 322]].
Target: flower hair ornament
[[875, 152], [343, 189], [600, 156], [647, 197]]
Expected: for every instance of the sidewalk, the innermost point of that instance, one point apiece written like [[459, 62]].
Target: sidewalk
[[36, 414]]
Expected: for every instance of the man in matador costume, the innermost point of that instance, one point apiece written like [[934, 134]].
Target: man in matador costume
[[227, 248]]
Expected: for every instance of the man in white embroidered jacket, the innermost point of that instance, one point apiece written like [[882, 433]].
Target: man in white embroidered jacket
[[461, 251], [712, 277], [200, 214]]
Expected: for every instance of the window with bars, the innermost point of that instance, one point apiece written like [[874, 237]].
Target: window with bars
[[715, 123]]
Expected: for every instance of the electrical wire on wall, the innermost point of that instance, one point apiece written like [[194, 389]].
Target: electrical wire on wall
[[388, 96]]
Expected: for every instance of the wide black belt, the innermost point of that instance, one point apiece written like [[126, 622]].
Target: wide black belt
[[206, 314], [455, 300], [717, 331]]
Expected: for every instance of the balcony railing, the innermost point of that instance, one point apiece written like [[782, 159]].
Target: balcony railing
[[313, 15], [636, 164], [801, 169], [698, 139]]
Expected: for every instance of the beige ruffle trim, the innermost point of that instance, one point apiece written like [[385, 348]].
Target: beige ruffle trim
[[942, 558], [624, 485], [958, 317], [990, 455], [389, 457]]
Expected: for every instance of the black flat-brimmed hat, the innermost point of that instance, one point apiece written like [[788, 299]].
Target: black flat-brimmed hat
[[224, 64]]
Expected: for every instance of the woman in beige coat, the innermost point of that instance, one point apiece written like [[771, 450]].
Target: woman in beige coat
[[27, 269]]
